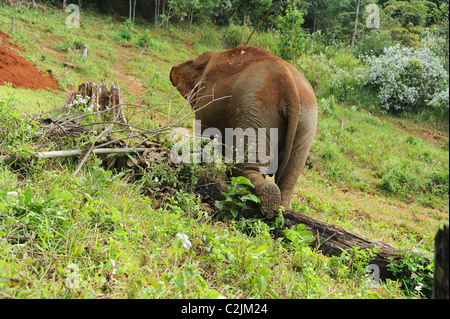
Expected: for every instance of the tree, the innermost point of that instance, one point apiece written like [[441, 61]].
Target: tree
[[442, 29], [409, 18], [132, 13], [410, 13], [356, 23], [292, 36], [182, 8], [250, 10], [322, 14], [207, 8]]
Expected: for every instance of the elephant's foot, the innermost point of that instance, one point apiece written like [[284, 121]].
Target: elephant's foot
[[270, 197]]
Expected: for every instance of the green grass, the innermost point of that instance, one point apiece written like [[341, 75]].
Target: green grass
[[97, 236], [370, 154]]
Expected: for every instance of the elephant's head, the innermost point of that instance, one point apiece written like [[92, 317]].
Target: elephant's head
[[185, 76]]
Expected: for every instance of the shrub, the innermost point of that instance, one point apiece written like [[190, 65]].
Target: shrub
[[70, 44], [408, 79], [15, 133], [373, 43], [402, 178], [142, 39], [415, 273], [398, 178], [125, 30], [292, 37], [234, 202], [336, 73]]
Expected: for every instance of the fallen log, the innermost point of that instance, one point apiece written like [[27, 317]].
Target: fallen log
[[330, 239]]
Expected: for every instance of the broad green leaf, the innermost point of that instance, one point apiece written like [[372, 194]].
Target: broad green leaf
[[272, 293], [250, 197], [243, 205], [219, 205], [28, 195], [262, 284], [261, 249], [242, 181], [180, 284]]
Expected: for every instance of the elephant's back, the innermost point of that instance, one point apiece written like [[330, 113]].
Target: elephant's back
[[232, 62]]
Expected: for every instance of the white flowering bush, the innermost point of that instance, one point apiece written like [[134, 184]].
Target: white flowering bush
[[408, 79]]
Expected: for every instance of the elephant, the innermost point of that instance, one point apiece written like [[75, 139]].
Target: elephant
[[249, 87]]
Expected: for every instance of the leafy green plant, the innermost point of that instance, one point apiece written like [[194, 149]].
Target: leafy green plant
[[16, 133], [237, 196], [40, 217], [142, 39], [256, 273], [415, 273], [356, 260], [373, 43], [125, 30], [70, 44], [298, 235]]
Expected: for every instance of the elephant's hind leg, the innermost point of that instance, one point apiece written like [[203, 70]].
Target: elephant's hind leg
[[267, 191], [306, 131], [270, 197]]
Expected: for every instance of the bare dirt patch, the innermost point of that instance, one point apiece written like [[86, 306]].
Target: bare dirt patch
[[422, 131], [19, 72]]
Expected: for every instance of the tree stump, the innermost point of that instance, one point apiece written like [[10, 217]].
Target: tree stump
[[441, 267], [108, 102]]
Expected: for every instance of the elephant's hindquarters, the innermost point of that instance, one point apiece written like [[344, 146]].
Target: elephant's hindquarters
[[267, 95], [306, 130]]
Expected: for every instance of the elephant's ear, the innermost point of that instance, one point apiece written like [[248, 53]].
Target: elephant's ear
[[201, 62], [185, 76], [194, 69]]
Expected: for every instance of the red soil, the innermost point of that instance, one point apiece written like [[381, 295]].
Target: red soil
[[19, 72]]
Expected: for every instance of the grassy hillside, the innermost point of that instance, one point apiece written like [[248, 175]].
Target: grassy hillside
[[95, 235]]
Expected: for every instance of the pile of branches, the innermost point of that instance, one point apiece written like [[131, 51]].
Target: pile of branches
[[94, 120]]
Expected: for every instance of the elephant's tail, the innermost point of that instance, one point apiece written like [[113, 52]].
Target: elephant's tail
[[292, 114], [302, 123]]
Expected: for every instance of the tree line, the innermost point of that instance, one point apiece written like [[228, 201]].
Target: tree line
[[336, 21]]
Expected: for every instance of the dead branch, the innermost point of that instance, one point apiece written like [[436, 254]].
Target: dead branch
[[98, 138], [262, 19], [7, 159], [79, 152]]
